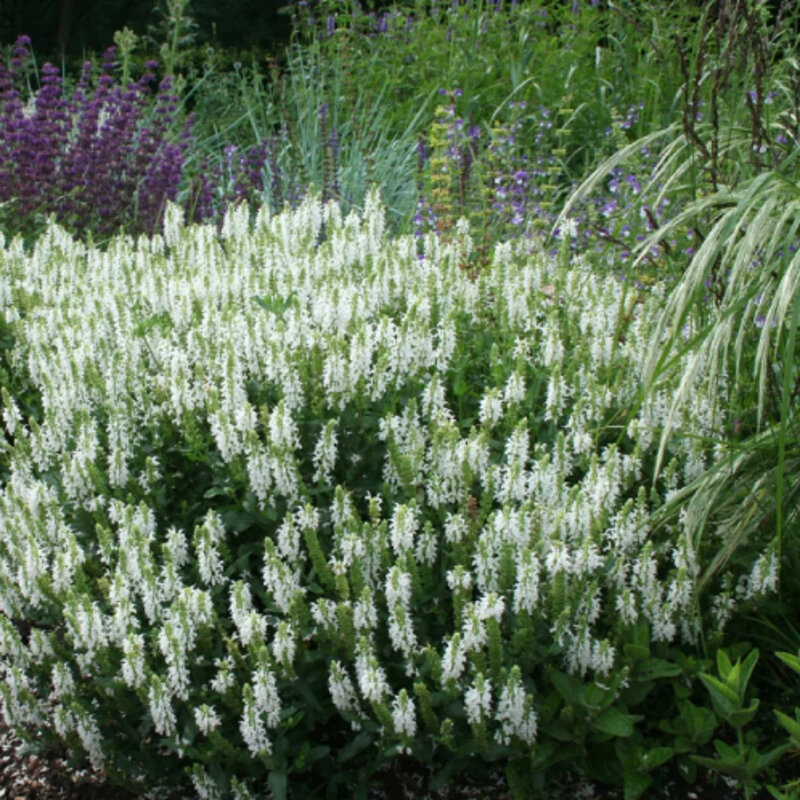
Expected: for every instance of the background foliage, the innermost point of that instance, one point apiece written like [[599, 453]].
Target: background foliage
[[596, 206]]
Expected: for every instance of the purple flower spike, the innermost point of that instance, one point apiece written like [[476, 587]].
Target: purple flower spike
[[89, 159]]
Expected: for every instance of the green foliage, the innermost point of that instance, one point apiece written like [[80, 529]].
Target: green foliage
[[334, 498]]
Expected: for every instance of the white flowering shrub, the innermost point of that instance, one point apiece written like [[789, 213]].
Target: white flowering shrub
[[288, 499]]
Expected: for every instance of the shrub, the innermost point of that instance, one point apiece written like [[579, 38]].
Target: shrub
[[293, 500]]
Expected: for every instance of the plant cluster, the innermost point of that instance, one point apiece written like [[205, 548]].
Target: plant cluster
[[99, 159], [373, 447], [281, 492]]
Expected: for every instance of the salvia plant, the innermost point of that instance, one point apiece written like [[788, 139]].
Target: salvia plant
[[285, 499], [100, 158]]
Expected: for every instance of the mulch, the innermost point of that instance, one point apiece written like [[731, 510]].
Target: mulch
[[25, 775]]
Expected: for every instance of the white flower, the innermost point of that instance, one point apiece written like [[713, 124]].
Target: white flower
[[365, 614], [569, 228], [515, 389], [491, 408], [206, 719], [288, 538], [403, 528], [626, 607], [204, 784], [283, 644], [91, 738], [763, 578], [251, 726], [324, 457], [473, 631], [161, 710], [371, 677], [342, 691], [206, 538], [62, 681], [404, 718], [133, 673], [265, 695], [459, 579], [455, 528], [177, 547], [454, 659], [225, 677], [478, 700], [398, 587], [279, 580], [515, 711], [258, 471], [526, 588]]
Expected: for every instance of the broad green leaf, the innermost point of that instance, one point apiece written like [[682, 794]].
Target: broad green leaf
[[724, 664], [724, 698], [617, 723], [636, 652], [278, 784], [700, 722], [570, 689], [656, 757], [355, 746], [635, 784], [652, 669], [318, 752], [728, 753]]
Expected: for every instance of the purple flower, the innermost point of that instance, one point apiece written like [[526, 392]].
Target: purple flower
[[633, 183], [89, 159]]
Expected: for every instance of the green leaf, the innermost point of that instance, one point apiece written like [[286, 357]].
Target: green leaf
[[790, 660], [699, 722], [275, 305], [595, 696], [635, 784], [728, 753], [742, 716], [318, 752], [652, 669], [217, 491], [355, 746], [764, 760], [716, 764], [636, 652], [656, 757], [725, 699], [443, 777], [617, 723], [791, 725], [156, 321], [278, 784], [687, 769], [569, 688], [724, 664], [748, 665]]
